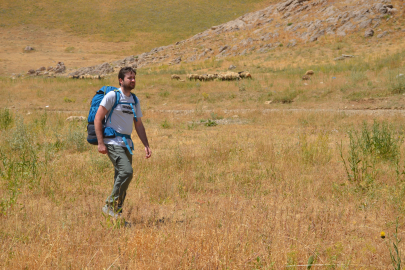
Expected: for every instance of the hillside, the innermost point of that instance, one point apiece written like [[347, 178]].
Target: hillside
[[282, 26], [81, 33], [341, 25]]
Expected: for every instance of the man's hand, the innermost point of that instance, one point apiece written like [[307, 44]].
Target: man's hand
[[102, 148], [147, 151], [100, 115]]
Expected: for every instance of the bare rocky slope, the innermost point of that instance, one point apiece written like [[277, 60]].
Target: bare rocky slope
[[286, 24]]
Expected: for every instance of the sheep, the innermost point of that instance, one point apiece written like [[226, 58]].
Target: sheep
[[76, 118], [228, 76], [212, 77], [203, 77], [306, 78], [192, 77], [175, 77], [245, 74], [310, 73], [232, 76], [85, 76]]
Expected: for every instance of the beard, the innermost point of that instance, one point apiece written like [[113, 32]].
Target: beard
[[128, 86]]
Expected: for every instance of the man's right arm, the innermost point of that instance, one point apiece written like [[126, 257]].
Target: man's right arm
[[98, 125]]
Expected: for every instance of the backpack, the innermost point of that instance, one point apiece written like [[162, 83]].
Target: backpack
[[108, 132]]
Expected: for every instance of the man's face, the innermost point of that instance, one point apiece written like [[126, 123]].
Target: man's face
[[129, 81]]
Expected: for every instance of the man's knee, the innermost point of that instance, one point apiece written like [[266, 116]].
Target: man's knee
[[127, 174]]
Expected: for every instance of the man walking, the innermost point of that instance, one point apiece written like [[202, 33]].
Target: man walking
[[118, 149]]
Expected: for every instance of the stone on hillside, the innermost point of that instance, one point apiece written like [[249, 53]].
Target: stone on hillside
[[246, 42], [223, 48], [292, 43], [329, 11], [365, 23], [102, 69], [176, 61], [231, 67], [317, 35], [130, 61], [383, 34], [348, 26], [28, 48], [60, 68], [31, 71], [266, 37], [369, 33]]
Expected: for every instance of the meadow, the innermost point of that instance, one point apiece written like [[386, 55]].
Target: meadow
[[269, 173], [315, 175]]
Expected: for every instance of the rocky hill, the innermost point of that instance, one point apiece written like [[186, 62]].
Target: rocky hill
[[288, 24]]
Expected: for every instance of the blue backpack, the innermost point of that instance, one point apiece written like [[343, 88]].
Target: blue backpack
[[108, 132]]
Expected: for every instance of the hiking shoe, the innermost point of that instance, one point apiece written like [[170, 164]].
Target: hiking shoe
[[108, 210]]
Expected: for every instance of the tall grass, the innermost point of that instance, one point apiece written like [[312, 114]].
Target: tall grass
[[250, 194]]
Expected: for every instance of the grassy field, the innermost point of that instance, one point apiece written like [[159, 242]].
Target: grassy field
[[257, 191], [234, 183], [268, 173]]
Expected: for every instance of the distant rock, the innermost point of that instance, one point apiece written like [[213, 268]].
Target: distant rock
[[369, 33], [231, 67], [102, 69], [292, 43], [60, 68], [176, 61], [383, 34], [130, 61], [28, 48], [223, 48]]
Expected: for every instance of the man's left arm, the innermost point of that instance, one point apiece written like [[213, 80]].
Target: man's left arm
[[140, 130]]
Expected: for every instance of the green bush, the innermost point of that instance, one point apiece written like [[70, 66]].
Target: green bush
[[6, 119]]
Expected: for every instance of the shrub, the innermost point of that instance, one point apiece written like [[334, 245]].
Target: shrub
[[165, 124], [6, 119]]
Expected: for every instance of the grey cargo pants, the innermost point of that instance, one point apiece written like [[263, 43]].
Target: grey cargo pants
[[122, 161]]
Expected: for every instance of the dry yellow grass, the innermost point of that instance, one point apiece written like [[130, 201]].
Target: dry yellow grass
[[263, 191], [265, 188]]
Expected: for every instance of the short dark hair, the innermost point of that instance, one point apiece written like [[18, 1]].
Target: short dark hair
[[123, 71]]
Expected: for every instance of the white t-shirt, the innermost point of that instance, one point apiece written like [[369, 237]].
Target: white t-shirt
[[122, 116]]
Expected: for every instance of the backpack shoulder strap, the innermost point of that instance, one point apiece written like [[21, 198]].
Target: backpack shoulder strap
[[134, 97], [132, 106], [117, 99]]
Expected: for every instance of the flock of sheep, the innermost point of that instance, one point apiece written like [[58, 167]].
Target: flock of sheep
[[87, 76], [227, 76]]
